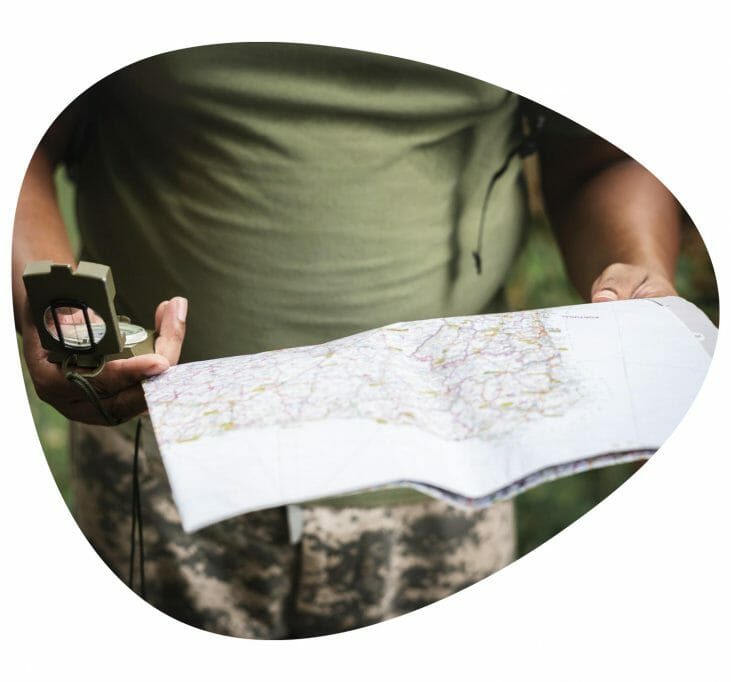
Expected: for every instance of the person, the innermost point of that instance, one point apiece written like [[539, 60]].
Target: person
[[290, 194]]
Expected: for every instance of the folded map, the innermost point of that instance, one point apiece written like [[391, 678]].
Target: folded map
[[469, 409]]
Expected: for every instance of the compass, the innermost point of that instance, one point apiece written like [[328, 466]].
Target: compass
[[74, 313]]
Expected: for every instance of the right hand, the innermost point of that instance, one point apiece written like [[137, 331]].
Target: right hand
[[118, 384]]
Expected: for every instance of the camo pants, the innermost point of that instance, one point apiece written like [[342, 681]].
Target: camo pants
[[243, 577]]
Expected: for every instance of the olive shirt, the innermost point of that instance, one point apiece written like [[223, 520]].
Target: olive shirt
[[296, 194]]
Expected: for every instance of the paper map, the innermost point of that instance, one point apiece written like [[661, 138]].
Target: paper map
[[471, 409]]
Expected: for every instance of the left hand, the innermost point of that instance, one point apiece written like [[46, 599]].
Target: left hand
[[119, 383], [622, 281]]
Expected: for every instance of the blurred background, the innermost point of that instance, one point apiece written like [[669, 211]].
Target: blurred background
[[538, 280]]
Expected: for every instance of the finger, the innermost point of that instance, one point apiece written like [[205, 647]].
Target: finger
[[118, 388], [116, 375], [655, 286], [47, 377], [126, 404], [172, 329], [120, 407], [49, 381], [117, 378], [119, 375], [33, 350], [159, 313], [617, 282]]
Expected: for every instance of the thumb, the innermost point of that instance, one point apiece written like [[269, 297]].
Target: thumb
[[617, 282], [170, 319], [118, 375]]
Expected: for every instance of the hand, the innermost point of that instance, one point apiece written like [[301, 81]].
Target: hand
[[622, 281], [118, 384]]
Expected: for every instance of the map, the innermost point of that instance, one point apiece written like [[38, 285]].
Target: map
[[471, 409], [458, 378]]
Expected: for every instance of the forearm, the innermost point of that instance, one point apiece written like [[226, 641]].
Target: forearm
[[39, 232], [622, 214]]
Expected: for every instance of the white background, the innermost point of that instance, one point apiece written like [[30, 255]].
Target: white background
[[638, 588]]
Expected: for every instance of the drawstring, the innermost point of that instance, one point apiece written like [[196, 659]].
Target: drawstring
[[526, 147]]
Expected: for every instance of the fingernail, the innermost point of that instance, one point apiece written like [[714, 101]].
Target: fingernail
[[181, 308], [605, 295], [154, 371]]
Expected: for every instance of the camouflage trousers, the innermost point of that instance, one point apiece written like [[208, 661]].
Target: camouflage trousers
[[243, 577]]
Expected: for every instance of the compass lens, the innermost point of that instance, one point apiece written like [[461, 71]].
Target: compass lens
[[69, 326]]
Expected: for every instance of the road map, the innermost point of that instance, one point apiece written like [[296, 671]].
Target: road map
[[469, 409]]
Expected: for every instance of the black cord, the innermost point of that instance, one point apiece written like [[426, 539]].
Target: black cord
[[83, 383], [136, 535]]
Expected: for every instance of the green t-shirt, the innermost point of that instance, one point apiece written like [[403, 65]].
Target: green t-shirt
[[296, 194]]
